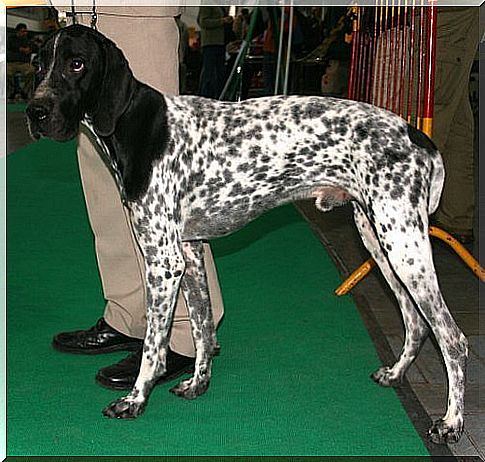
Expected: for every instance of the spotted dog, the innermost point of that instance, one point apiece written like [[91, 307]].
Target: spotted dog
[[192, 169]]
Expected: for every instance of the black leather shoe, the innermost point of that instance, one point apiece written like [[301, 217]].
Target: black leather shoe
[[122, 375], [101, 338]]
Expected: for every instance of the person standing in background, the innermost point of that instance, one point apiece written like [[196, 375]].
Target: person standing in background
[[212, 21], [19, 51], [453, 122]]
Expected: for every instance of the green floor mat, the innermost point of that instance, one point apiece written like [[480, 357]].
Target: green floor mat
[[292, 376], [16, 107]]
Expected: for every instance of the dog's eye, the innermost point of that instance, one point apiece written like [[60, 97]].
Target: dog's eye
[[77, 65]]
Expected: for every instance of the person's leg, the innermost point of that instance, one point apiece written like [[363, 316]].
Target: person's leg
[[220, 70], [457, 204], [120, 262], [453, 125], [202, 78], [28, 73], [208, 73], [161, 72], [269, 73], [11, 69]]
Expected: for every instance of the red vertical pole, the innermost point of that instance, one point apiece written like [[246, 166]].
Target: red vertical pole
[[369, 64], [358, 70], [365, 57], [411, 62], [360, 73], [383, 55], [353, 57], [363, 51], [397, 53], [404, 58], [392, 71], [377, 78], [388, 76], [427, 122], [374, 63], [375, 67], [419, 103]]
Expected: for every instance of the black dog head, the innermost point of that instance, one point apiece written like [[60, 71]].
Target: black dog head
[[81, 73]]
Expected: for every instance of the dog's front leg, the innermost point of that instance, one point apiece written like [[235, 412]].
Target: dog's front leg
[[164, 268], [196, 293]]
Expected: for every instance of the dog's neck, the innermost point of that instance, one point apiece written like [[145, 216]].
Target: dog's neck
[[126, 151], [109, 157]]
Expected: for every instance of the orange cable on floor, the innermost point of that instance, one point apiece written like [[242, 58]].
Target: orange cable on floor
[[362, 271]]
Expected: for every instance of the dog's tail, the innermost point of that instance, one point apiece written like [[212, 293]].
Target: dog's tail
[[437, 174], [436, 182]]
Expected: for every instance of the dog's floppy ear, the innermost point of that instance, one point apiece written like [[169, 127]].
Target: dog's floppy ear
[[116, 89]]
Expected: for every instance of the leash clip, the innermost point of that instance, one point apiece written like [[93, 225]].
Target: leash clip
[[94, 17], [73, 14], [94, 20]]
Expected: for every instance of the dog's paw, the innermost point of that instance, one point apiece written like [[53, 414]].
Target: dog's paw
[[124, 408], [443, 433], [384, 377], [190, 389]]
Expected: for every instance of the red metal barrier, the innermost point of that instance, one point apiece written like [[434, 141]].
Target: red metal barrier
[[393, 58], [392, 63], [427, 122]]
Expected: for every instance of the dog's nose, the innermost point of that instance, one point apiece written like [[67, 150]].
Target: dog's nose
[[37, 111]]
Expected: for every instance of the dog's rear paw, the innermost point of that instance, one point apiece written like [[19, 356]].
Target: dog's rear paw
[[384, 377], [190, 389], [124, 408], [443, 433]]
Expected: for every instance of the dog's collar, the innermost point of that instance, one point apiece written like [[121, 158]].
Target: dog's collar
[[110, 160]]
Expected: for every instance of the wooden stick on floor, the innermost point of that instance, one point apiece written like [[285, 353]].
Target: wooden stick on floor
[[363, 270]]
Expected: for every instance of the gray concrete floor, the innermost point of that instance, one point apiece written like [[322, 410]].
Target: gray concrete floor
[[424, 392], [17, 133]]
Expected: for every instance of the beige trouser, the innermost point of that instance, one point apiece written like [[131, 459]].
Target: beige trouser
[[453, 124], [150, 45]]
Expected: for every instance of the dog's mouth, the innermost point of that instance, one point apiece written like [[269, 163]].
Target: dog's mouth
[[35, 131], [50, 129], [40, 133]]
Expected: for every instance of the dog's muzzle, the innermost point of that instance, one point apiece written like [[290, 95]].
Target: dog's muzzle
[[45, 120], [38, 114]]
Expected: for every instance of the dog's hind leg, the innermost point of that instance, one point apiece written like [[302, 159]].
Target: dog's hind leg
[[196, 293], [409, 252], [416, 330], [164, 270]]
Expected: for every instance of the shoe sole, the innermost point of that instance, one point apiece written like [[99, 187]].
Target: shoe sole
[[97, 351], [160, 381]]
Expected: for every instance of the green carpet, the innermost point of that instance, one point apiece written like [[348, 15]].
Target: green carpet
[[292, 377], [16, 107]]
